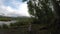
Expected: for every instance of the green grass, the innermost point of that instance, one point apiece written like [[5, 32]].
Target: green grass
[[21, 27], [5, 19]]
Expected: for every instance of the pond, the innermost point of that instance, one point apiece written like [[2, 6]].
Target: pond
[[7, 22]]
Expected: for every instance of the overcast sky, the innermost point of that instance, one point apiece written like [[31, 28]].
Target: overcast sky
[[13, 8]]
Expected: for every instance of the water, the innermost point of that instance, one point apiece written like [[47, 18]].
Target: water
[[7, 22]]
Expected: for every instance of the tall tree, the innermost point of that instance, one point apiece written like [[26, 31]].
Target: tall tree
[[43, 13], [40, 10], [56, 5]]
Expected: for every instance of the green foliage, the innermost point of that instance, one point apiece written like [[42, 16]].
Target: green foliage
[[24, 0], [0, 26], [5, 26], [43, 15], [21, 22], [6, 18], [42, 12], [12, 24], [43, 20], [31, 9]]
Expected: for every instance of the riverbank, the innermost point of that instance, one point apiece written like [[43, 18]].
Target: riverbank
[[20, 27], [6, 18]]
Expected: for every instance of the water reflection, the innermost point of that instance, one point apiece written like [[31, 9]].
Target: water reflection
[[7, 22]]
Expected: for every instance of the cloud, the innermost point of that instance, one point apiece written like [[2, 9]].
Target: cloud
[[23, 9], [13, 8]]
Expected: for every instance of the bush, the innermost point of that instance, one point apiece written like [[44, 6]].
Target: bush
[[5, 26]]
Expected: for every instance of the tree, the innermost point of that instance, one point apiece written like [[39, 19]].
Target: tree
[[24, 0], [40, 10], [57, 12], [43, 13]]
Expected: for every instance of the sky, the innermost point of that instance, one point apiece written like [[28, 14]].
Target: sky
[[13, 8]]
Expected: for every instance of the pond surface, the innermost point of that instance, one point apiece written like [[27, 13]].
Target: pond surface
[[7, 22]]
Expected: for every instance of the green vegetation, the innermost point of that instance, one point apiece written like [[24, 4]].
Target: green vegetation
[[5, 26], [20, 27], [6, 18], [44, 16], [45, 20]]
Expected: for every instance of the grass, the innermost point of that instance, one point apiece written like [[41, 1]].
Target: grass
[[5, 19], [21, 27]]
